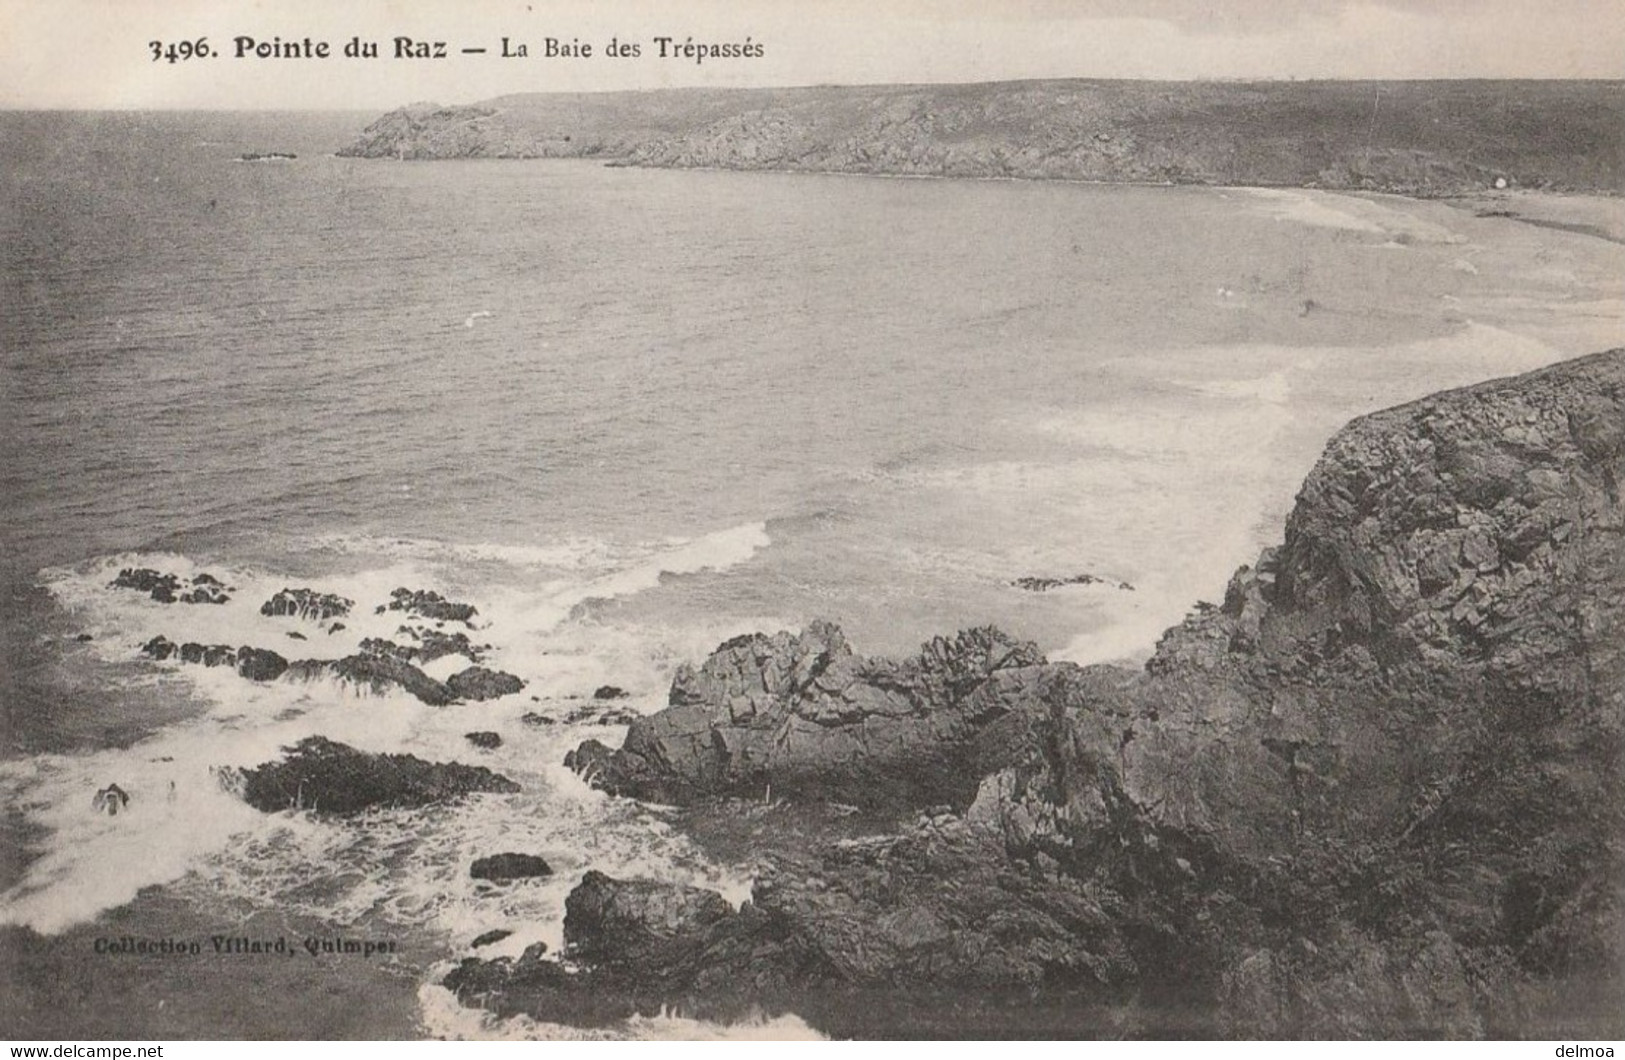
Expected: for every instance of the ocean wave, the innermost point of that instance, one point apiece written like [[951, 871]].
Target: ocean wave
[[444, 1018], [181, 826]]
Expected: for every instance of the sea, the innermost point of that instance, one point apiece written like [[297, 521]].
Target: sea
[[627, 414]]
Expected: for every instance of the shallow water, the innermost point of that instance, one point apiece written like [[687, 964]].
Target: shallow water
[[627, 414]]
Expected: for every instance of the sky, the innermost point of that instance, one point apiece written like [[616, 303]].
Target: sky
[[92, 54]]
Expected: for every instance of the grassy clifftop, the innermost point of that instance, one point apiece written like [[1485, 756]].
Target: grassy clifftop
[[1413, 137]]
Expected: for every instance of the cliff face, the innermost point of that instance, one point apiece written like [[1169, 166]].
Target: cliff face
[[1380, 791], [1403, 726], [1424, 138]]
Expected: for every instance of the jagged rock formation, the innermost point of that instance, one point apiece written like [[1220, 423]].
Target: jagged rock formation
[[1432, 137], [431, 644], [1379, 791], [256, 664], [307, 604], [166, 588], [380, 666], [1035, 584], [378, 673], [805, 715], [426, 603], [319, 774]]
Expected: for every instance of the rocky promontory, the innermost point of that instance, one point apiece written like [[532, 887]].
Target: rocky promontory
[[1418, 137], [803, 715], [1378, 792]]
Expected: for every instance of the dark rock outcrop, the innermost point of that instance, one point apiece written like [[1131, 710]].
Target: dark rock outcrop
[[431, 644], [147, 580], [485, 740], [488, 937], [501, 868], [319, 774], [378, 673], [632, 920], [430, 605], [204, 594], [307, 604], [805, 715], [610, 692], [478, 683], [167, 588], [1044, 585], [1378, 790], [259, 664], [933, 935], [256, 664], [434, 644], [380, 666]]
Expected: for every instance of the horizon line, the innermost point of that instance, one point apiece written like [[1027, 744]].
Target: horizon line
[[7, 106]]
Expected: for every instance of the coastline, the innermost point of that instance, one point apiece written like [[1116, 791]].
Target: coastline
[[717, 840]]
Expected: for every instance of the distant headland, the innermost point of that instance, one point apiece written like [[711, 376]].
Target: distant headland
[[1421, 138]]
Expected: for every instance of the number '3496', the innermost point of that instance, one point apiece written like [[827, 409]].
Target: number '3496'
[[177, 51]]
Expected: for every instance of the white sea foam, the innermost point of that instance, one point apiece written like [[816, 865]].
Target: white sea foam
[[446, 1019], [1353, 213], [180, 821]]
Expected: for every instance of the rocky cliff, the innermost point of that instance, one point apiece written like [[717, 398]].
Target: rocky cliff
[[1378, 792], [1413, 137]]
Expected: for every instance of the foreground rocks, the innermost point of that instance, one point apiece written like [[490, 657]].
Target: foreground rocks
[[1377, 792], [319, 774]]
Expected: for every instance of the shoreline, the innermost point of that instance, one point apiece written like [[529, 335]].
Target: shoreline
[[1603, 210]]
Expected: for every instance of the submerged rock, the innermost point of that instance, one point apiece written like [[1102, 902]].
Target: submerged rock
[[1044, 585], [319, 774], [484, 740], [500, 868], [478, 683], [488, 937], [380, 673]]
